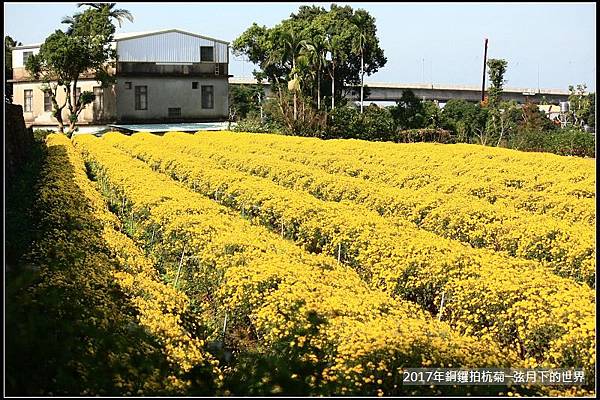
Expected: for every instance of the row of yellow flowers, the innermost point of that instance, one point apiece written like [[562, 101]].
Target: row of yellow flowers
[[111, 288], [520, 304], [562, 187], [568, 248], [319, 310]]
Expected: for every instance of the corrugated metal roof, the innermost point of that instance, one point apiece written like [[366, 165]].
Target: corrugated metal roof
[[171, 46], [132, 35]]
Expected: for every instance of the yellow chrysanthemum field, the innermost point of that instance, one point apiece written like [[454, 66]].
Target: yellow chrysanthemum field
[[330, 267]]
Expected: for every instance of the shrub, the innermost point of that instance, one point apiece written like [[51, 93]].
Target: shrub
[[39, 135], [574, 142], [424, 135], [253, 124], [343, 123], [377, 124], [565, 142]]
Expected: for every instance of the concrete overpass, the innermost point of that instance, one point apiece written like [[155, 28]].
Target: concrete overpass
[[383, 91]]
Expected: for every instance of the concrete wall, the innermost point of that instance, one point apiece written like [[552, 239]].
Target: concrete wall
[[165, 93], [90, 115], [443, 95]]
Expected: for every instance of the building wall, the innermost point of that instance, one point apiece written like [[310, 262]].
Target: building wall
[[166, 62], [172, 92], [17, 55], [90, 115], [169, 47]]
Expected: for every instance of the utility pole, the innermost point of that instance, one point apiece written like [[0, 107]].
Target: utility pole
[[484, 62]]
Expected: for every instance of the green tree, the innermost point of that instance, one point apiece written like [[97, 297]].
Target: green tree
[[496, 71], [276, 50], [409, 112], [245, 100], [432, 115], [464, 119], [316, 51], [361, 21], [581, 107], [117, 14], [377, 123], [83, 51], [533, 119], [496, 127], [592, 116], [9, 45]]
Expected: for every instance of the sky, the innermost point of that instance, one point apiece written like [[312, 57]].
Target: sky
[[547, 45]]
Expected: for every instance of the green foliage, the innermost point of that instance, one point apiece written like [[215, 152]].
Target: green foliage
[[39, 135], [309, 33], [581, 107], [71, 331], [566, 142], [496, 71], [463, 118], [533, 119], [244, 99], [284, 369], [432, 114], [376, 123], [66, 57], [252, 123], [409, 112], [496, 125], [344, 123], [20, 200], [435, 135], [9, 44]]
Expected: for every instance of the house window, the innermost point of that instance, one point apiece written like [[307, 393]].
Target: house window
[[194, 85], [127, 85], [47, 101], [208, 97], [207, 53], [174, 112], [26, 55], [77, 94], [141, 97], [28, 106], [99, 98]]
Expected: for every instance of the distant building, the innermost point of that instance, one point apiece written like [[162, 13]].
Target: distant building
[[551, 111], [161, 76]]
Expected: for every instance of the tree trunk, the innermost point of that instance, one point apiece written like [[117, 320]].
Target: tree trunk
[[333, 88], [74, 109], [295, 98], [57, 111], [362, 79], [319, 90]]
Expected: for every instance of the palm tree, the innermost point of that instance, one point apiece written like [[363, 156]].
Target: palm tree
[[361, 21], [331, 46], [118, 14], [291, 47], [316, 50]]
